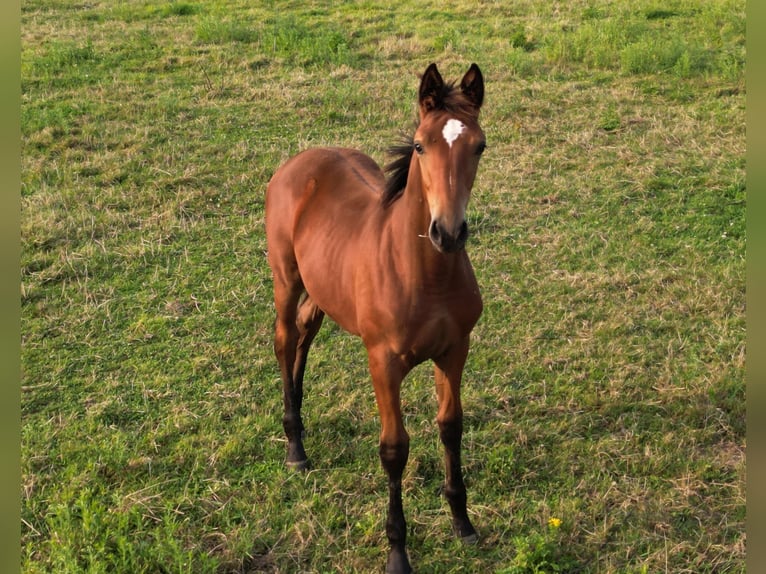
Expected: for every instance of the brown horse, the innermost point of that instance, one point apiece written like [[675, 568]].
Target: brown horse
[[385, 259]]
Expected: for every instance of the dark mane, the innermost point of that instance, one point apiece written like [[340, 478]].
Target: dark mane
[[451, 100], [397, 170]]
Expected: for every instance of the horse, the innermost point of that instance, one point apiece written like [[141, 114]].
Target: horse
[[382, 253]]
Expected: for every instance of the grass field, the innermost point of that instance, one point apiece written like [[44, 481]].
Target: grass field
[[604, 392]]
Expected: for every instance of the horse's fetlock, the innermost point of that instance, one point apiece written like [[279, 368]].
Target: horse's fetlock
[[455, 493]]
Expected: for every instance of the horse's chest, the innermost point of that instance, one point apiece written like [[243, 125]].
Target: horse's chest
[[454, 318], [438, 325]]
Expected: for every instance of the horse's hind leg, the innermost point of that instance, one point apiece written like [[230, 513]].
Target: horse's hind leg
[[309, 321], [288, 289]]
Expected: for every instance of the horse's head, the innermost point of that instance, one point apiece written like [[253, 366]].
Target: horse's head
[[448, 143]]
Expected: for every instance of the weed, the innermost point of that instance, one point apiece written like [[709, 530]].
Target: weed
[[216, 31], [181, 9]]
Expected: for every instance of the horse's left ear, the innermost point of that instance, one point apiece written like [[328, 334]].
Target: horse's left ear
[[472, 85]]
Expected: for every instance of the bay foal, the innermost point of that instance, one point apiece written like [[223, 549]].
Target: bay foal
[[385, 259]]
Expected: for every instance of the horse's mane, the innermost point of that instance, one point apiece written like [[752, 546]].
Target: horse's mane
[[397, 171], [451, 100]]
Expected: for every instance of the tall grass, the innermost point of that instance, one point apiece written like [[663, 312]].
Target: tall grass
[[604, 391]]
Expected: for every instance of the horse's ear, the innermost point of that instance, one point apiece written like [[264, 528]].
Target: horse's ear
[[431, 90], [472, 86]]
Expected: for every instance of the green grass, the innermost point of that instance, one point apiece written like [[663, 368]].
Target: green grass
[[605, 384]]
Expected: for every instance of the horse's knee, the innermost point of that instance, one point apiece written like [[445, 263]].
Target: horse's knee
[[393, 457], [451, 430]]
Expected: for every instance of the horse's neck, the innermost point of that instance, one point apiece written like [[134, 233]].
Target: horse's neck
[[414, 251]]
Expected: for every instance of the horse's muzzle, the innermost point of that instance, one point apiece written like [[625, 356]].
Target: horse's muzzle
[[447, 242]]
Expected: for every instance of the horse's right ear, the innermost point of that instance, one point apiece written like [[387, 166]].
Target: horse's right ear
[[431, 90]]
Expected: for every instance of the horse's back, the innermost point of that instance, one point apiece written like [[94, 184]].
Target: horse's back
[[332, 170], [319, 184]]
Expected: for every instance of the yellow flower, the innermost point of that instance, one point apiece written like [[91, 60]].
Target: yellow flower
[[554, 522]]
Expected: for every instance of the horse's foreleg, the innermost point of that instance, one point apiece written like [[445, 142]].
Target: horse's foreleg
[[387, 374], [448, 374]]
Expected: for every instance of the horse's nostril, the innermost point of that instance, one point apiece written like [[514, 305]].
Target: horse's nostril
[[445, 241], [434, 233]]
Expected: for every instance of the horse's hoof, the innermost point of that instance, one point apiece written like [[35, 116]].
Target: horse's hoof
[[299, 465], [470, 539], [466, 533], [397, 563]]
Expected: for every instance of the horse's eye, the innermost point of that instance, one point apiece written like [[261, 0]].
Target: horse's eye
[[419, 148], [480, 148]]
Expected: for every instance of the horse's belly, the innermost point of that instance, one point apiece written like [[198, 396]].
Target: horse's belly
[[328, 277]]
